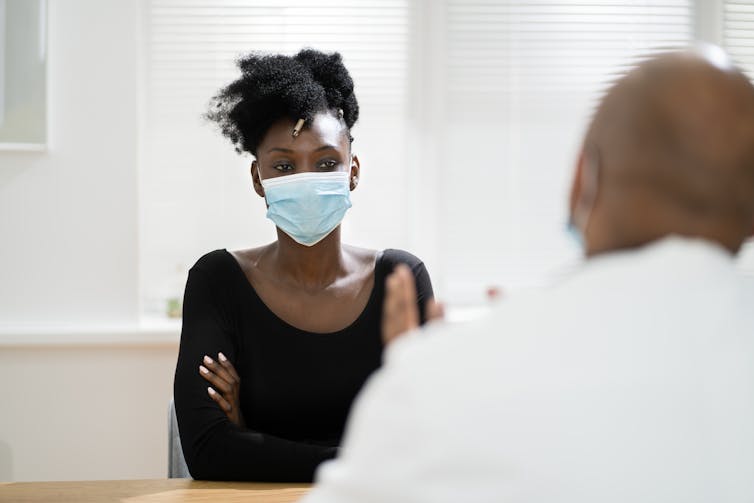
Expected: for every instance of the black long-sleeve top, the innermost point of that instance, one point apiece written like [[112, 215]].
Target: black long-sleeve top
[[296, 386]]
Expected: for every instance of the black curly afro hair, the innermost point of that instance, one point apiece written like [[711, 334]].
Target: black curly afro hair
[[272, 87]]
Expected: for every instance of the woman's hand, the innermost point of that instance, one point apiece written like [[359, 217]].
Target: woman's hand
[[226, 386], [400, 313]]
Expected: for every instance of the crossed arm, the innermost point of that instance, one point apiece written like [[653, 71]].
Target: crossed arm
[[216, 442]]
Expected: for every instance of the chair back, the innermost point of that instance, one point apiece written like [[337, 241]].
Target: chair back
[[177, 468]]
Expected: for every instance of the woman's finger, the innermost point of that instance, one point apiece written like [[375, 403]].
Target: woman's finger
[[405, 291], [218, 398], [435, 310], [215, 380], [390, 314], [218, 369], [228, 366], [400, 313]]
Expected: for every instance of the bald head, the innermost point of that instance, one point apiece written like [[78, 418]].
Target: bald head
[[670, 151]]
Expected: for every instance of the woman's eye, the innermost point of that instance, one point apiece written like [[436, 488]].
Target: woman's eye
[[283, 167], [328, 164]]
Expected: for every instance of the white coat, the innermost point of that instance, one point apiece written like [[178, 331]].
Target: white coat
[[631, 381]]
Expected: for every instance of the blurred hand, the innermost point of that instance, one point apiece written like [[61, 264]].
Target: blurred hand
[[400, 313], [226, 386], [494, 293]]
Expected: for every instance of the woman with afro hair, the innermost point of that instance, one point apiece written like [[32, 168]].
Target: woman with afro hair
[[278, 340]]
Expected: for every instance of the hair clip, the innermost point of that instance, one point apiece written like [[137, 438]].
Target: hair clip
[[297, 127]]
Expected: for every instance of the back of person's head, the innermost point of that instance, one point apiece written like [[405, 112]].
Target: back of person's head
[[670, 151], [274, 87]]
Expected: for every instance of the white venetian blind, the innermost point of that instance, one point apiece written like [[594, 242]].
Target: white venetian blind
[[738, 38], [522, 81], [738, 33], [193, 44], [549, 49], [195, 191]]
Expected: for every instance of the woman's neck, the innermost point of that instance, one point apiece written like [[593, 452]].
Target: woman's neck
[[312, 268]]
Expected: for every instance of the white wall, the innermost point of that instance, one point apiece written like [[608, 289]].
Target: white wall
[[68, 257], [68, 216], [85, 412]]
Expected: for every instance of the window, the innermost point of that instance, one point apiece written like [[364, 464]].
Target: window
[[522, 80], [472, 115], [196, 191], [23, 74], [738, 39], [738, 33]]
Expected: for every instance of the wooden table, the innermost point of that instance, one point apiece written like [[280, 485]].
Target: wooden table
[[150, 491]]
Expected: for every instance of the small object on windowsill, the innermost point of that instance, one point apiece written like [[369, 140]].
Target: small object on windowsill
[[174, 307], [494, 293]]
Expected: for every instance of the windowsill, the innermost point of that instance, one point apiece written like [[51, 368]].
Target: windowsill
[[146, 332], [23, 147], [466, 313], [152, 332]]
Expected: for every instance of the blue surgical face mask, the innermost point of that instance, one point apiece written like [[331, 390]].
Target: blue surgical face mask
[[577, 237], [308, 206]]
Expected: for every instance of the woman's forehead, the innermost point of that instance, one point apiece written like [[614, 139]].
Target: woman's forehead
[[324, 129]]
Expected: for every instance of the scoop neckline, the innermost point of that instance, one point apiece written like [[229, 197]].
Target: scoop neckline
[[359, 318]]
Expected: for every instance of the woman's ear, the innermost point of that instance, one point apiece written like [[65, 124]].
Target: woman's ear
[[255, 179], [355, 171]]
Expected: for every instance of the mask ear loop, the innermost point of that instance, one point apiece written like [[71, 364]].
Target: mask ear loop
[[352, 179], [261, 182], [259, 173], [350, 139]]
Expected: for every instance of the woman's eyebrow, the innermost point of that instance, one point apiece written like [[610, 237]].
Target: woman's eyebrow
[[289, 151], [280, 149], [326, 147]]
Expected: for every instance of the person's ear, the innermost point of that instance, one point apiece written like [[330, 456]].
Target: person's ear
[[576, 183], [585, 187], [355, 171], [255, 179]]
